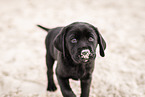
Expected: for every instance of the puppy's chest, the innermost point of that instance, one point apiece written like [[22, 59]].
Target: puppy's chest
[[78, 72]]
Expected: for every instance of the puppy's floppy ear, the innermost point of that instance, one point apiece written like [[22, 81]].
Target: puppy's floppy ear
[[59, 41], [101, 42]]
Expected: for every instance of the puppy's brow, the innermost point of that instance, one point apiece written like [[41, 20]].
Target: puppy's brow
[[72, 36]]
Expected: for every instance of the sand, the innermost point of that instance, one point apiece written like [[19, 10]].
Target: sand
[[121, 73]]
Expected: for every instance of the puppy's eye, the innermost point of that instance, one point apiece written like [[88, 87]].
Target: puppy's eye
[[74, 40], [91, 39]]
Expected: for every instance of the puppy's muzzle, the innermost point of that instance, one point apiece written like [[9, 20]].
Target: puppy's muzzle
[[85, 55]]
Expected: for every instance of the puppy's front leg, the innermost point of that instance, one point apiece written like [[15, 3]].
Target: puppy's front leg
[[85, 87], [65, 87]]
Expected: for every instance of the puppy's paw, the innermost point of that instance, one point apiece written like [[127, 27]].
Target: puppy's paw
[[51, 87]]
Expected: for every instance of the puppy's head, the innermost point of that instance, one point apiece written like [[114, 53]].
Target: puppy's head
[[79, 41]]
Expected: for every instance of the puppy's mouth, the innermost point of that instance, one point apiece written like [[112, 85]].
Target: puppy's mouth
[[84, 56]]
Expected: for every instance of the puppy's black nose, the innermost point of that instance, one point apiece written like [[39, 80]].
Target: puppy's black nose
[[84, 53]]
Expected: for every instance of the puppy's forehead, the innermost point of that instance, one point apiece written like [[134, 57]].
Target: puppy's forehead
[[81, 29]]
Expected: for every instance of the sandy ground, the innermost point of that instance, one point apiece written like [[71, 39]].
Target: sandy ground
[[22, 52]]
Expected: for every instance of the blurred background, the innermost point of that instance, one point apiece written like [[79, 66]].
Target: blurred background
[[121, 73]]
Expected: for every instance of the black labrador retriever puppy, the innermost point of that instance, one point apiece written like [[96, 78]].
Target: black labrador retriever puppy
[[74, 48]]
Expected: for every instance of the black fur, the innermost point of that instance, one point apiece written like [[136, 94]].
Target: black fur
[[60, 47]]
